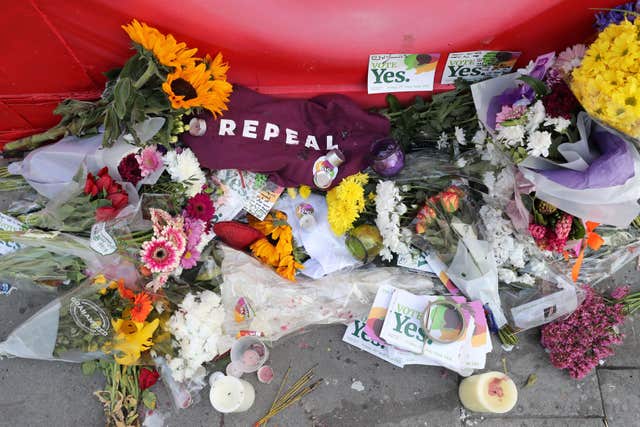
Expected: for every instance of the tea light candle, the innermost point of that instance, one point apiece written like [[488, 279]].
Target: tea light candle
[[489, 392], [230, 394]]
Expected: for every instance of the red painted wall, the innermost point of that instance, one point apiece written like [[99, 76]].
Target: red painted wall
[[54, 49]]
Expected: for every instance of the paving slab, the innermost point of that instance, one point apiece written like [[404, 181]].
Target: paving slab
[[358, 388], [41, 393], [543, 422], [554, 394], [621, 396]]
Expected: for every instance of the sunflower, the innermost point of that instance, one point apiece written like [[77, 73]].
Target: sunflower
[[165, 48], [196, 86]]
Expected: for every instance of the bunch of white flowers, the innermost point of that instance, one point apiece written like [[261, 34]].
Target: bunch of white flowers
[[185, 168], [389, 208], [197, 329]]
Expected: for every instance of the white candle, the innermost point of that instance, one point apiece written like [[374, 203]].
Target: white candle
[[230, 394], [489, 392]]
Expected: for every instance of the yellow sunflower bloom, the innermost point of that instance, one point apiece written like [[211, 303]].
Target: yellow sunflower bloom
[[194, 86], [131, 339], [165, 48]]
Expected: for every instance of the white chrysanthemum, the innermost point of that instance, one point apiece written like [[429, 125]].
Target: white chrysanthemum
[[539, 144], [197, 330], [185, 168], [389, 208], [513, 136], [460, 137], [536, 115], [560, 124]]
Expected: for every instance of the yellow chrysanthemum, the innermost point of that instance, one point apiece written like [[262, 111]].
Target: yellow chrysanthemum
[[607, 82], [165, 48], [131, 339], [195, 86], [345, 203]]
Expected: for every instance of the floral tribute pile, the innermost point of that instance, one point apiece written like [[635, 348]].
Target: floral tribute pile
[[528, 196]]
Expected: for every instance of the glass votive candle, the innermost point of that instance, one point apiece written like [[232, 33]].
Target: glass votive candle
[[387, 157]]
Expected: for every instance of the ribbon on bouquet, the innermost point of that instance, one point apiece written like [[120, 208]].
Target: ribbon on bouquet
[[593, 241]]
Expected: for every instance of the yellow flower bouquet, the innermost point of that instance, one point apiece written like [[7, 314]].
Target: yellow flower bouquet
[[607, 82]]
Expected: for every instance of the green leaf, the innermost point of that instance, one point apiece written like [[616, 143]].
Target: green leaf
[[122, 97], [393, 103], [89, 367], [149, 399], [538, 86], [533, 378]]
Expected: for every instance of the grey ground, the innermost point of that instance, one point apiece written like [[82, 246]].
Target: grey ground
[[35, 393], [40, 393]]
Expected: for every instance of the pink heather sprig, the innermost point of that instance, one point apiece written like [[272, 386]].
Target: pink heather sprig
[[579, 342]]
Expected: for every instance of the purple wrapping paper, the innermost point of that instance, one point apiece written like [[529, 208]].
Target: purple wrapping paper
[[613, 167]]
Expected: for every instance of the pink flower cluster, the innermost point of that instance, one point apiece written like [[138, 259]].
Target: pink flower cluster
[[510, 113], [552, 239], [579, 342]]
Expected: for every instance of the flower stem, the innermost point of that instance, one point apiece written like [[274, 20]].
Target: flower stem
[[150, 71]]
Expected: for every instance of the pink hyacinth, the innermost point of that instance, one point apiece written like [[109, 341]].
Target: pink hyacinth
[[579, 342], [537, 231], [563, 227], [510, 113]]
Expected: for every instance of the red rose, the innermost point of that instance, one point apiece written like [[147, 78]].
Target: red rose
[[104, 171], [90, 186], [106, 213], [148, 377], [104, 183], [118, 200]]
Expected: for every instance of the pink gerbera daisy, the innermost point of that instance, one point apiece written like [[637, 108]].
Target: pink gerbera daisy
[[176, 236], [150, 160], [159, 255], [190, 258]]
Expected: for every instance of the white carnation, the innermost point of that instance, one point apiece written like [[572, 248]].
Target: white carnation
[[185, 168], [539, 144], [479, 137], [513, 136], [560, 124], [197, 329]]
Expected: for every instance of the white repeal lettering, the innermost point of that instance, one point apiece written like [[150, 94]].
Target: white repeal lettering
[[312, 143], [292, 137], [249, 129], [271, 131], [330, 145], [227, 127]]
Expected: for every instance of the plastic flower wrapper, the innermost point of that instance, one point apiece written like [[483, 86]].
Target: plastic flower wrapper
[[606, 81], [98, 319], [34, 269], [50, 170], [258, 301], [87, 200]]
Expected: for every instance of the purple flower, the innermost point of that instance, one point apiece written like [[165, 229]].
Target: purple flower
[[578, 342], [606, 18], [620, 292]]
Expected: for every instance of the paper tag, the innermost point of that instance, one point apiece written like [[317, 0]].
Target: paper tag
[[10, 224], [356, 336], [402, 72], [257, 193], [545, 309], [414, 260], [100, 240], [243, 311], [478, 65]]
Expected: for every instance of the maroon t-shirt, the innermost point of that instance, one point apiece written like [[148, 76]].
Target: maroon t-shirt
[[284, 137]]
